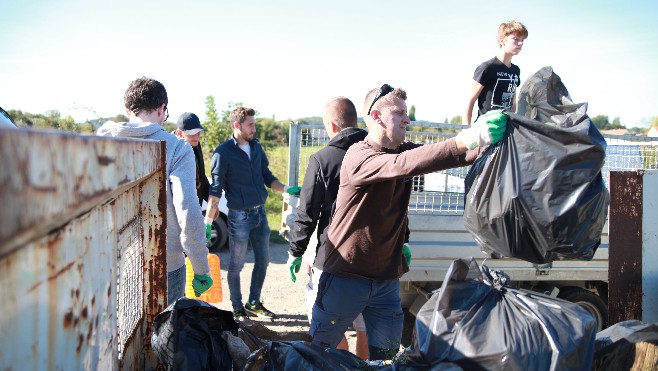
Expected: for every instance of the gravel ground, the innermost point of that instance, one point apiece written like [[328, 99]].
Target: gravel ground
[[279, 294]]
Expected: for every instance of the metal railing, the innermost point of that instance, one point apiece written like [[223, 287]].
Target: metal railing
[[442, 192]]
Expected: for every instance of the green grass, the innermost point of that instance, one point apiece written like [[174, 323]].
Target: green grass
[[278, 157]]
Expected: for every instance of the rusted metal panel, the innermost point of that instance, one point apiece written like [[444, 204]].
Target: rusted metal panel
[[625, 255], [650, 247], [83, 260], [46, 177]]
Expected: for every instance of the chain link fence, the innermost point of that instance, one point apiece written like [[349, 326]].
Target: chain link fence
[[442, 192]]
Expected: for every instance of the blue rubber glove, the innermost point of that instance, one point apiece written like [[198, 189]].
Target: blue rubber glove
[[294, 190], [201, 283], [294, 264], [407, 253], [487, 129]]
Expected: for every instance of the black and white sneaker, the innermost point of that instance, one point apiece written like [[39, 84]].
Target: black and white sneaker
[[255, 309], [239, 315]]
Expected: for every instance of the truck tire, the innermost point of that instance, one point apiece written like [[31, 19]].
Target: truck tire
[[590, 302], [218, 235]]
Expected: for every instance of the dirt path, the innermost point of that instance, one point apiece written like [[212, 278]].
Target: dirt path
[[279, 294]]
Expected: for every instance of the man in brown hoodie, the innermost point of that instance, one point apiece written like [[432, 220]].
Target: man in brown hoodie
[[362, 253]]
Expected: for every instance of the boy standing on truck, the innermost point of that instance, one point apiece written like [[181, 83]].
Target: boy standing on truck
[[362, 253], [495, 81], [317, 197]]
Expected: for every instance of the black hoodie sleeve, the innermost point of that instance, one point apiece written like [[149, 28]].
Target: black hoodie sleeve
[[311, 199], [203, 185]]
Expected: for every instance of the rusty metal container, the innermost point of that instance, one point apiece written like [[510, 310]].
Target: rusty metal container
[[82, 250]]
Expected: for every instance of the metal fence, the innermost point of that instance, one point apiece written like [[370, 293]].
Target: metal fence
[[442, 192], [82, 251]]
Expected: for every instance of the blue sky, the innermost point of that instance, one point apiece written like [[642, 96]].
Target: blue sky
[[286, 58]]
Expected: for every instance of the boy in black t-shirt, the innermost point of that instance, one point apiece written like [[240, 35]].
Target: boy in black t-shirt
[[495, 80]]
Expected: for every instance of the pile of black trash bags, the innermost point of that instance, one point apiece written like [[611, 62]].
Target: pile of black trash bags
[[196, 336], [475, 321]]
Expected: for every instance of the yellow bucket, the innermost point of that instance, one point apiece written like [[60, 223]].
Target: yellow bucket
[[214, 294]]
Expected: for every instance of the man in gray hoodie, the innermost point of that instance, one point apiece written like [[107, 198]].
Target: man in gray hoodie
[[146, 107]]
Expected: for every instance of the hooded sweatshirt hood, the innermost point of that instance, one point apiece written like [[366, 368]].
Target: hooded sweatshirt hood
[[346, 137], [128, 129]]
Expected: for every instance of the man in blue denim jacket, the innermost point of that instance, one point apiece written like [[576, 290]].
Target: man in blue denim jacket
[[240, 168]]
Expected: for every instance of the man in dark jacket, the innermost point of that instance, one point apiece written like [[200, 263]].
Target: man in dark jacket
[[241, 169], [189, 128], [317, 198]]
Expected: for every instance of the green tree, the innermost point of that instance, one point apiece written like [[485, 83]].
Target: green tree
[[68, 124], [169, 127], [601, 122], [53, 118], [270, 130], [227, 112], [87, 127], [20, 119], [215, 130], [456, 120], [412, 113], [120, 118], [617, 123]]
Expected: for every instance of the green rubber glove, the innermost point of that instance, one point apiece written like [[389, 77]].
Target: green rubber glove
[[294, 190], [407, 253], [201, 283], [487, 129], [294, 264], [208, 235]]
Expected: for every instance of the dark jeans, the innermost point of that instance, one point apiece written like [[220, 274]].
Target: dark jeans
[[245, 227]]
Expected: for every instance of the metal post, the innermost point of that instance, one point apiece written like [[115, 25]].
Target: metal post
[[633, 259], [293, 153]]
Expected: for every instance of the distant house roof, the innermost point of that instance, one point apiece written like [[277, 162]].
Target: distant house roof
[[615, 131], [653, 132]]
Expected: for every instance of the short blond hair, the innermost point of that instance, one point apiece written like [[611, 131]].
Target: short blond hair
[[509, 28], [397, 92]]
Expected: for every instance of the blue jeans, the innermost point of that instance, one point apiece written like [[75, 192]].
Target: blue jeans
[[340, 300], [247, 227], [176, 285]]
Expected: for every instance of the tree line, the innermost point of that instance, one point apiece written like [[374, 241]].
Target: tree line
[[269, 130]]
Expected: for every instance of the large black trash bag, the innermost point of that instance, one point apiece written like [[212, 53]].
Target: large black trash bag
[[616, 345], [478, 323], [538, 194], [188, 336], [301, 355]]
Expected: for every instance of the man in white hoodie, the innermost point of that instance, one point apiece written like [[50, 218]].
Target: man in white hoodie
[[146, 107]]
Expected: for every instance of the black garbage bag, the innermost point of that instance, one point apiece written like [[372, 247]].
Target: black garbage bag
[[479, 323], [301, 355], [538, 195], [544, 98], [617, 346], [188, 336]]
